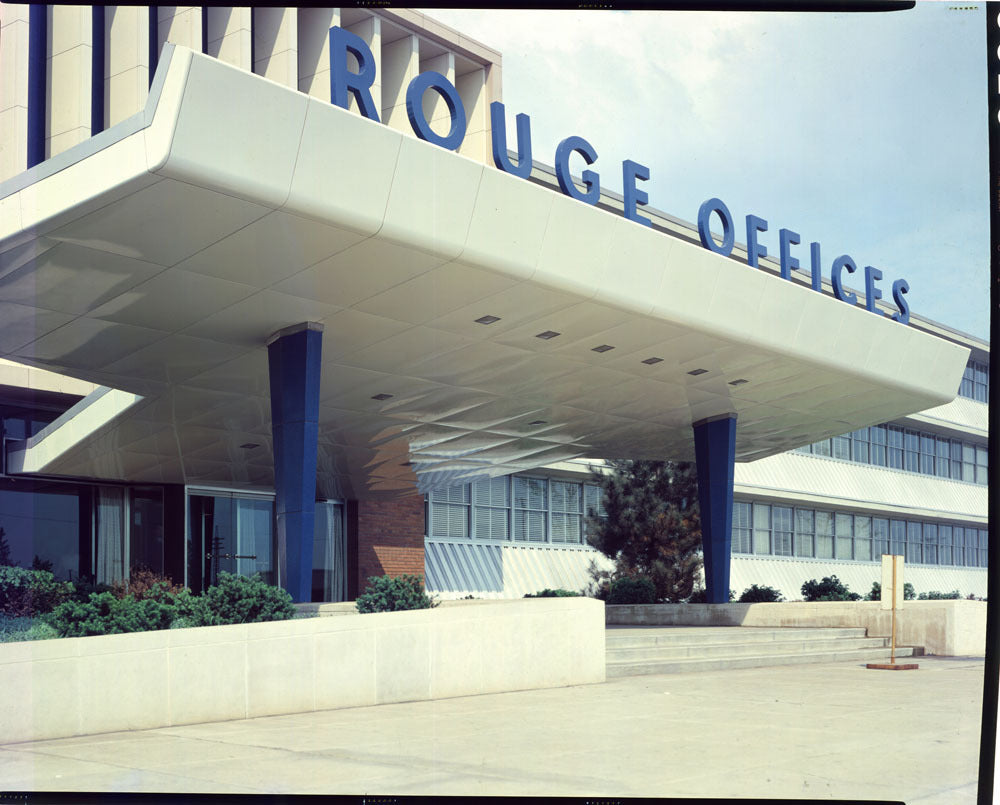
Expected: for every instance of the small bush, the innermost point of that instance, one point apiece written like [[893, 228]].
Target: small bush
[[875, 594], [393, 594], [85, 585], [829, 589], [760, 594], [235, 599], [632, 590], [934, 595], [30, 592], [557, 593], [103, 613], [143, 583], [24, 628]]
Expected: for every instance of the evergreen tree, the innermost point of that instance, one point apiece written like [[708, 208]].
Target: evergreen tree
[[653, 527]]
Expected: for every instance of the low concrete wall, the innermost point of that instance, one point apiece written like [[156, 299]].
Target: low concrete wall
[[83, 685], [946, 628]]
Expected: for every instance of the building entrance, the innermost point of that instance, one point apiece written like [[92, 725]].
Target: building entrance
[[229, 534]]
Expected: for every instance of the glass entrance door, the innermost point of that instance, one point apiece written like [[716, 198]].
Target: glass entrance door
[[232, 535]]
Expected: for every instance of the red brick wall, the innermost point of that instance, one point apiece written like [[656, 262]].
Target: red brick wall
[[384, 538]]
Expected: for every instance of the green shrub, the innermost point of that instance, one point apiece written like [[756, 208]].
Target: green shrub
[[760, 594], [632, 590], [875, 594], [557, 593], [30, 592], [934, 595], [235, 599], [15, 629], [83, 586], [388, 594], [103, 613], [829, 589]]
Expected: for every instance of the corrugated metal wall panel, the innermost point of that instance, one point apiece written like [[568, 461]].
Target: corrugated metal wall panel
[[462, 567], [788, 575], [530, 569], [860, 487]]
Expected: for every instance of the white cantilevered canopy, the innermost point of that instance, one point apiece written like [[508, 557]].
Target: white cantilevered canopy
[[157, 258]]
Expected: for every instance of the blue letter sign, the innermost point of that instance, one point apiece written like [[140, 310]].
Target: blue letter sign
[[498, 122], [837, 277], [415, 110], [754, 250], [591, 180], [360, 83], [630, 172], [704, 223], [344, 82]]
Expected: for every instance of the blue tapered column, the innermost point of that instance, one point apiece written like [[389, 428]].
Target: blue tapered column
[[715, 454], [293, 357]]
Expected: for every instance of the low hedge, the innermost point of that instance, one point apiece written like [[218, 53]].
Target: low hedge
[[393, 594], [234, 599], [26, 593]]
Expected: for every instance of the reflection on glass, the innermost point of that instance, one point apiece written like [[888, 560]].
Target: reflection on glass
[[42, 520], [232, 535], [146, 537]]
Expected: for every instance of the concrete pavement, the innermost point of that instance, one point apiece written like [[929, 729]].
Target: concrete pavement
[[809, 731]]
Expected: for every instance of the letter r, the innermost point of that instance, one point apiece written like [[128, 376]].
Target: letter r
[[343, 80]]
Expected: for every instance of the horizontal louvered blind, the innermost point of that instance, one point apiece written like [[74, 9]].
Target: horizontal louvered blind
[[529, 526], [491, 523], [593, 500], [530, 493], [449, 511]]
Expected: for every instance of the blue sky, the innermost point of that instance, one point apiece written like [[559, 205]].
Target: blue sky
[[865, 132]]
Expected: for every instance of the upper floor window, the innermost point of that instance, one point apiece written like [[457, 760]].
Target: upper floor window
[[515, 508], [909, 450], [976, 381]]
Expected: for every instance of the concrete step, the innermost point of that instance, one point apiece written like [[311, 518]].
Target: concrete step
[[664, 651], [643, 636], [678, 665]]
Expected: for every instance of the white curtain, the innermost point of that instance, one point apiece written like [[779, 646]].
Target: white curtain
[[330, 551], [110, 506]]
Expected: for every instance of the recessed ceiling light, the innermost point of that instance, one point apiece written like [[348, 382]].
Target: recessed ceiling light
[[696, 372], [487, 319], [651, 361], [249, 446], [381, 397], [547, 334], [603, 348], [738, 382], [539, 422]]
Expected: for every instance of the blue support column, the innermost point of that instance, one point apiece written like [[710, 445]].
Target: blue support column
[[715, 454], [293, 356]]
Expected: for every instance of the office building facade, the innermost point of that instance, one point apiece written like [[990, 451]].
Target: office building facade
[[235, 238]]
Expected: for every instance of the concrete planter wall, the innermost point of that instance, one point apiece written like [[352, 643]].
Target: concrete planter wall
[[77, 686], [946, 628]]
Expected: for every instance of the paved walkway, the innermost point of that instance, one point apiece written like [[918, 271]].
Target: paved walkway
[[809, 731]]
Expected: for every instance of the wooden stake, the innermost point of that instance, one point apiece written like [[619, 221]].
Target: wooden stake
[[892, 658]]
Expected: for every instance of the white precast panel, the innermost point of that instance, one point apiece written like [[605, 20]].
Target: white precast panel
[[794, 477]]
